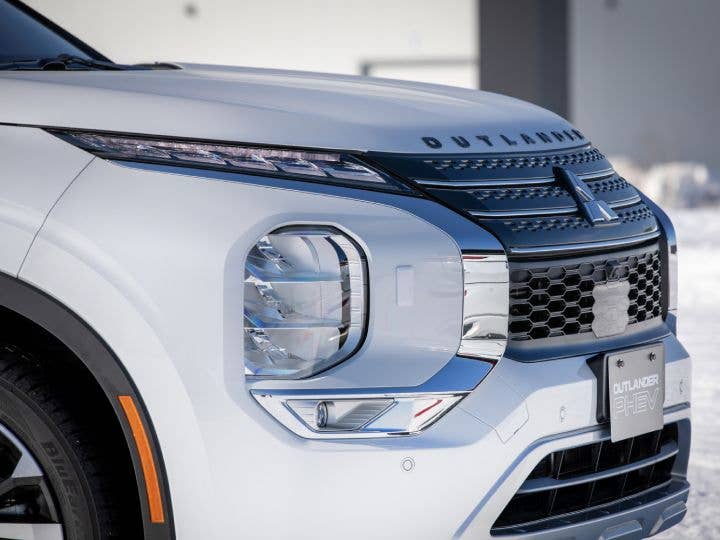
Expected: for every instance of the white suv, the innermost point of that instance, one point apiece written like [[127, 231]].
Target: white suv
[[245, 303]]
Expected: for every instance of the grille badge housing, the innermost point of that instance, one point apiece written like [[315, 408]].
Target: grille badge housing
[[610, 310]]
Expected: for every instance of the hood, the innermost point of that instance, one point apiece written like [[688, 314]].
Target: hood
[[282, 108]]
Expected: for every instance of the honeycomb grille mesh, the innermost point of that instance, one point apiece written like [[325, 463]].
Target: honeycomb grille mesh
[[551, 300]]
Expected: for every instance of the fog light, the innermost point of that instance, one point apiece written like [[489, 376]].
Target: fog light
[[338, 414], [321, 415]]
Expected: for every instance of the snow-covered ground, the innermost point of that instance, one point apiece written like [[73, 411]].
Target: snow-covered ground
[[699, 329]]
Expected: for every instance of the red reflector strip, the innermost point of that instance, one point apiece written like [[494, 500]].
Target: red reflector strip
[[426, 409], [152, 486]]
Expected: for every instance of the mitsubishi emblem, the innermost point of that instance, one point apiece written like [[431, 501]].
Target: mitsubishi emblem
[[596, 212]]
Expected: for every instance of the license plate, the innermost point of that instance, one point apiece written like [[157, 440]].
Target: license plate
[[636, 387]]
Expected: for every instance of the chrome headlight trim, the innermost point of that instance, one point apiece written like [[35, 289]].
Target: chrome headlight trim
[[486, 305]]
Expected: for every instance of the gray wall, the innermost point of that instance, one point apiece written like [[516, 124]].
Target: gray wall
[[524, 50], [645, 78]]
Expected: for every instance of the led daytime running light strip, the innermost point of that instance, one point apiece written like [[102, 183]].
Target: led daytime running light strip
[[328, 167]]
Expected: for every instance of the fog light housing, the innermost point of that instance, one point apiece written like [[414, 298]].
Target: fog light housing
[[355, 413], [356, 417], [338, 414]]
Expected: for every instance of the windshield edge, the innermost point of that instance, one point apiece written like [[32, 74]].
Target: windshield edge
[[84, 47]]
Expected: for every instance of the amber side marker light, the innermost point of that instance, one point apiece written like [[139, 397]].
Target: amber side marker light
[[146, 459]]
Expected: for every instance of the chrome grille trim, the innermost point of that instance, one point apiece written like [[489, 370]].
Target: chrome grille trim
[[587, 246], [626, 202], [485, 183], [524, 213], [596, 175], [546, 211]]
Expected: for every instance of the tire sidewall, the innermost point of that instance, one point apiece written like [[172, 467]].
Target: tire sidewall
[[53, 452]]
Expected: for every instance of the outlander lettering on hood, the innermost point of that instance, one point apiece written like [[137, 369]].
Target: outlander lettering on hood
[[505, 140]]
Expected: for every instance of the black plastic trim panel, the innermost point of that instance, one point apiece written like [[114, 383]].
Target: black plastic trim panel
[[581, 483]]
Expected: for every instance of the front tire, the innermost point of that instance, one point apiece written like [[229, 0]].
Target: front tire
[[60, 477]]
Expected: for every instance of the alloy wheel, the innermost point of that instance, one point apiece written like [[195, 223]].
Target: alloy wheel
[[27, 505]]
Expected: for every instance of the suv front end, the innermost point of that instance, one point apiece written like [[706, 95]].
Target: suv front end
[[428, 352], [333, 307]]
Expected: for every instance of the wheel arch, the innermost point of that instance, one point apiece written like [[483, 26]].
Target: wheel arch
[[108, 373]]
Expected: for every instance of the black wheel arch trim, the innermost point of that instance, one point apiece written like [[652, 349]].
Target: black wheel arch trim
[[82, 340]]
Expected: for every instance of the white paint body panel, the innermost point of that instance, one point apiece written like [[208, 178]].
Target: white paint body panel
[[35, 168], [273, 107], [155, 262]]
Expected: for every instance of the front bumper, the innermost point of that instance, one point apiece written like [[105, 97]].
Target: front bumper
[[454, 479]]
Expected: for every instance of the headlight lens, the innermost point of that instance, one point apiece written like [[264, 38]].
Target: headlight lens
[[305, 301], [328, 167]]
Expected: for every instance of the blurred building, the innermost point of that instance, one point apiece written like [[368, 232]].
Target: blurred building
[[640, 77]]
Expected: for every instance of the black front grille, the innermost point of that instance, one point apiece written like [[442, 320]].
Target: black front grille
[[525, 201], [552, 298], [590, 476]]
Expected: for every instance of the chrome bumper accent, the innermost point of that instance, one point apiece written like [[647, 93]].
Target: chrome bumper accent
[[455, 381], [547, 250]]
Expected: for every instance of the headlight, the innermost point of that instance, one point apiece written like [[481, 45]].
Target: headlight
[[326, 167], [305, 301]]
